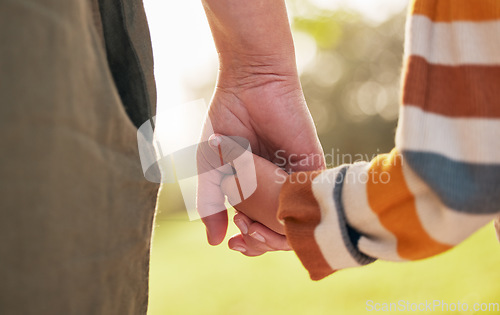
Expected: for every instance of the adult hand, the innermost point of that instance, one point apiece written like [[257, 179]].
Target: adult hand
[[258, 96], [269, 110]]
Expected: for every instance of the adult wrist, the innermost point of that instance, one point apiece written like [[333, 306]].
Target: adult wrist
[[247, 70]]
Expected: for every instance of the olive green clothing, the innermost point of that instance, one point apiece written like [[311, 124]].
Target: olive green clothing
[[76, 79]]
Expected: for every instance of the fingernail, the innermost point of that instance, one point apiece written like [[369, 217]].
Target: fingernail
[[258, 237], [214, 140], [239, 249], [242, 226]]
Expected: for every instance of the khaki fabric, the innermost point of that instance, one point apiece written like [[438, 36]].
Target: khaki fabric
[[75, 210]]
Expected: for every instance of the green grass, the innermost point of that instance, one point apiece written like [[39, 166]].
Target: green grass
[[190, 277]]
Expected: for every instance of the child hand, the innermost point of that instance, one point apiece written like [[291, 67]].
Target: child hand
[[256, 218], [255, 238], [262, 205]]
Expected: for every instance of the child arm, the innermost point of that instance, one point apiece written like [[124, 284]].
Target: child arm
[[442, 181]]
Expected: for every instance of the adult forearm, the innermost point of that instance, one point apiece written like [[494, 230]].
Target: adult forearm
[[252, 34]]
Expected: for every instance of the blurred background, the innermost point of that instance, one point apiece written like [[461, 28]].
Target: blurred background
[[349, 55]]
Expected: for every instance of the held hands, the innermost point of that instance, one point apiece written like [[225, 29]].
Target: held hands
[[258, 97], [269, 110], [256, 217]]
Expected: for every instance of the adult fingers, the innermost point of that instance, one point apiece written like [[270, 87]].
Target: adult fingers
[[209, 197], [240, 181], [216, 158], [210, 206]]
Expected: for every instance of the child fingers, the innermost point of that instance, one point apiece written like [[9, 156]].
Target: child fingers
[[237, 243], [271, 239], [260, 233], [242, 222], [256, 244]]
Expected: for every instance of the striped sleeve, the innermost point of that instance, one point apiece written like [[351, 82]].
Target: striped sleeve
[[442, 181]]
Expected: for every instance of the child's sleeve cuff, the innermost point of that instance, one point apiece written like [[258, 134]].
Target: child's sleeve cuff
[[315, 223]]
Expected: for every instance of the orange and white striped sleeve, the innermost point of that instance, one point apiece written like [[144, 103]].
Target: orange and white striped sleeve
[[442, 181]]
